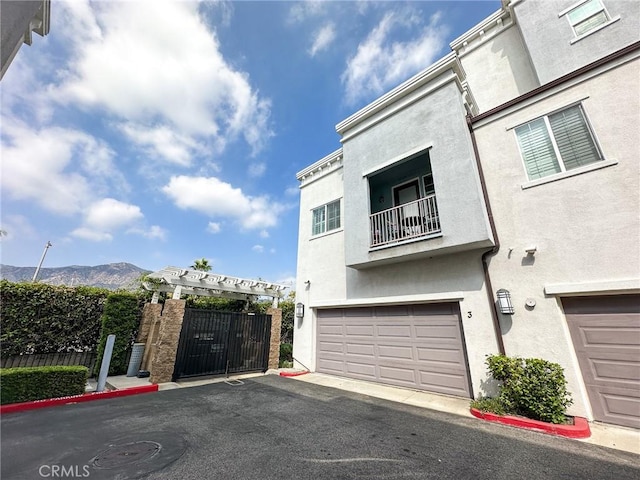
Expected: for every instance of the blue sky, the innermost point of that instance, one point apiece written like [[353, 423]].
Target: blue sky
[[157, 133]]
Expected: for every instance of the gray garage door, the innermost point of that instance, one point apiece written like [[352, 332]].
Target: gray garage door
[[606, 335], [417, 346]]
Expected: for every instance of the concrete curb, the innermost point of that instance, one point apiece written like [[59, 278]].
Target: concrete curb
[[86, 397], [293, 374], [579, 429]]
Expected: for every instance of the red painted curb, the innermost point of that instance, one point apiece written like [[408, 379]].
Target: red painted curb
[[292, 374], [85, 397], [579, 429]]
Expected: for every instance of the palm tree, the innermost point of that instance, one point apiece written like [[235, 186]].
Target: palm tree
[[202, 265]]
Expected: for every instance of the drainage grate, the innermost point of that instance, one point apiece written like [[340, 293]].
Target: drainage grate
[[125, 454]]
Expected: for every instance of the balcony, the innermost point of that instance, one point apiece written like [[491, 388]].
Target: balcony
[[410, 221]]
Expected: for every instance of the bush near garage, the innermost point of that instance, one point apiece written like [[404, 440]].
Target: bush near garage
[[530, 387], [120, 317], [26, 384]]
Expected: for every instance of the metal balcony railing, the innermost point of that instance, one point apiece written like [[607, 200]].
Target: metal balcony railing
[[407, 221]]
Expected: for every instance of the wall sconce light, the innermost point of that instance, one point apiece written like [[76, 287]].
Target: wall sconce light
[[299, 310], [504, 302]]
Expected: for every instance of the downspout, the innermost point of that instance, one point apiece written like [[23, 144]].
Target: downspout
[[490, 253]]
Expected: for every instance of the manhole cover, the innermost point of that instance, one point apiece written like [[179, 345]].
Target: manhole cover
[[126, 454]]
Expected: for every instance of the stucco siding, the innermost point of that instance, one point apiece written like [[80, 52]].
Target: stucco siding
[[548, 37], [499, 69], [320, 261], [585, 227], [436, 121]]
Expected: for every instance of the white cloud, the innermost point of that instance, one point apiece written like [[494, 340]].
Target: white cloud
[[264, 234], [292, 191], [214, 227], [17, 226], [60, 169], [106, 216], [156, 63], [164, 142], [216, 198], [272, 251], [153, 233], [380, 62], [301, 11], [258, 248], [323, 38], [92, 235], [110, 214], [257, 169]]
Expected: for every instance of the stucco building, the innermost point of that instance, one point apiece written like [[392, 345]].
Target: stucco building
[[498, 167]]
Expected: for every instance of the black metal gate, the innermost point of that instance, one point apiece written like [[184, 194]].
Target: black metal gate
[[213, 343]]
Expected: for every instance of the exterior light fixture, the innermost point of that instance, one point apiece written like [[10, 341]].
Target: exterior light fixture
[[504, 302], [299, 310]]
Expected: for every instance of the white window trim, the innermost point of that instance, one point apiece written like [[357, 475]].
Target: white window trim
[[326, 221], [578, 101], [597, 29], [577, 37], [324, 234], [569, 173], [424, 184], [563, 173]]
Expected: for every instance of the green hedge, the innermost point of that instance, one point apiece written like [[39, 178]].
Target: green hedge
[[120, 317], [25, 384], [41, 318]]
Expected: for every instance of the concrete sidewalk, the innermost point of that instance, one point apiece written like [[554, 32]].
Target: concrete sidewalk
[[121, 382]]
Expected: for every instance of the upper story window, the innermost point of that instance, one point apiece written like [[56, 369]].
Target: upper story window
[[587, 16], [326, 218], [557, 142]]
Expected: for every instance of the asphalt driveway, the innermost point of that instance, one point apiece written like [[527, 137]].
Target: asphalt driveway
[[276, 428]]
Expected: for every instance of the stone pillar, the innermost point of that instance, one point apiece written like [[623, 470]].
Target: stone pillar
[[164, 356], [150, 313], [274, 344]]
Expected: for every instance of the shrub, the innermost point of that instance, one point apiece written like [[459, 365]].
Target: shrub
[[489, 404], [286, 354], [25, 384], [531, 387], [41, 318], [120, 317]]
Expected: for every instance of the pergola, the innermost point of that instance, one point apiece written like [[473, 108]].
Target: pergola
[[178, 281]]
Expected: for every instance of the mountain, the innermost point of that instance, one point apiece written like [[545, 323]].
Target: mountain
[[111, 276]]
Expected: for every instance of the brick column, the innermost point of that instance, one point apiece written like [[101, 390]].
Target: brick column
[[150, 313], [164, 356], [274, 344]]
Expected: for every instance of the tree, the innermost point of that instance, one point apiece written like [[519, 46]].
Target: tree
[[202, 265]]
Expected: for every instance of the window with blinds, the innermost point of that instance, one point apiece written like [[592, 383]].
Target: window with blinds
[[326, 218], [587, 16], [556, 143]]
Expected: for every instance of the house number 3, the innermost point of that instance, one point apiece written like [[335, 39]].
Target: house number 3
[[469, 314]]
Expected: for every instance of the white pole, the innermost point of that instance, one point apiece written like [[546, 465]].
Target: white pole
[[106, 361], [46, 247]]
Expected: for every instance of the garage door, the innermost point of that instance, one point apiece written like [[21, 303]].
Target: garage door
[[417, 346], [606, 335]]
